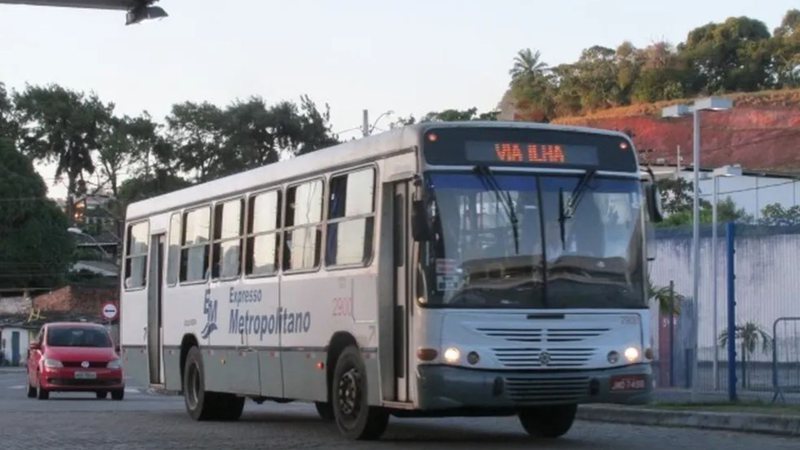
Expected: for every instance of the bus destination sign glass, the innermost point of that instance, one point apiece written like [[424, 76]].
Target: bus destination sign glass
[[525, 153]]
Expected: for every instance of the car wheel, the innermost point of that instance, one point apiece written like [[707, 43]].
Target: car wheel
[[101, 395], [31, 391], [117, 394], [548, 421], [325, 411], [42, 394], [354, 417]]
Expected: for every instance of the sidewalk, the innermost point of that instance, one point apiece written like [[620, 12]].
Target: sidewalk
[[12, 369], [711, 410]]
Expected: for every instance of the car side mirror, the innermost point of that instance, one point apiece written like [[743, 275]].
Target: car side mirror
[[420, 229], [35, 346]]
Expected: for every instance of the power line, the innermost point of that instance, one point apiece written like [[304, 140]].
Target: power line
[[751, 189]]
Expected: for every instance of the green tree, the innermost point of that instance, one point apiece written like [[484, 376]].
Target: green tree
[[749, 335], [667, 300], [8, 126], [64, 126], [676, 194], [776, 215], [196, 132], [731, 56], [126, 145], [35, 247], [531, 85], [786, 45], [726, 212], [456, 115], [144, 186]]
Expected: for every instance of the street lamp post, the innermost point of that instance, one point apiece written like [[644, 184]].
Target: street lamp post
[[724, 171], [705, 104]]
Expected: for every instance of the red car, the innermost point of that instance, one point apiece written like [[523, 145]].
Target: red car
[[74, 357]]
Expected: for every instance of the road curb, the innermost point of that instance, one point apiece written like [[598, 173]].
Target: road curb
[[742, 422]]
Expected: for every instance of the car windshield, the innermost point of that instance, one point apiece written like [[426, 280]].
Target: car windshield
[[77, 337], [507, 241]]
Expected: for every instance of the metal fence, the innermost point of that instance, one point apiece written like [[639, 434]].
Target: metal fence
[[767, 282], [785, 356]]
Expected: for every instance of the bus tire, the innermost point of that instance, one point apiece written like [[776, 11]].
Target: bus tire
[[325, 411], [548, 421], [230, 407], [200, 405], [354, 417]]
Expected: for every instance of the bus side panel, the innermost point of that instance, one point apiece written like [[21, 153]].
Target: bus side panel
[[336, 301]]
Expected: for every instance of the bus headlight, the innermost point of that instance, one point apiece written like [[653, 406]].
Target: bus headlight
[[632, 354], [452, 355]]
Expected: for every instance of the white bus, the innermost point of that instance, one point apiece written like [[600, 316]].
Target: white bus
[[480, 268]]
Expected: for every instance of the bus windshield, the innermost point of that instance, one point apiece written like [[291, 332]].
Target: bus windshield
[[518, 240]]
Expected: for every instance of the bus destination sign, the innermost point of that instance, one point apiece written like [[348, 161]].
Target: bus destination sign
[[530, 153]]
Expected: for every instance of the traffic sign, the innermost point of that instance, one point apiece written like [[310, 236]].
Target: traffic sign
[[110, 311]]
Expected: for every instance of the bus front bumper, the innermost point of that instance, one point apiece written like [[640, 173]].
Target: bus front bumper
[[447, 387]]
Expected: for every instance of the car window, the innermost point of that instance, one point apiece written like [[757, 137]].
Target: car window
[[77, 337]]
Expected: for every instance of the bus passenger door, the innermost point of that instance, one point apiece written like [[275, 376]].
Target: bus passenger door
[[154, 323], [401, 289]]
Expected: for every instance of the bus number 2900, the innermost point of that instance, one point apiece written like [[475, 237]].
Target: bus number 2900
[[343, 306]]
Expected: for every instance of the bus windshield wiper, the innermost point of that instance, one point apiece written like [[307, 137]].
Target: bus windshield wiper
[[566, 212], [490, 182]]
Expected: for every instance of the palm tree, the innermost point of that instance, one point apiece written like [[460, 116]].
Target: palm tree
[[667, 299], [750, 334], [527, 65]]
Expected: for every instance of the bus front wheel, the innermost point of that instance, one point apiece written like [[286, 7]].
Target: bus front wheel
[[548, 421], [354, 417], [204, 405]]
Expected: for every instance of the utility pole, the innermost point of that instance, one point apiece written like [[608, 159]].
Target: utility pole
[[365, 125], [678, 163]]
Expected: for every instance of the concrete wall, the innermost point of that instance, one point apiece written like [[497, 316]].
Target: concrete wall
[[767, 278], [6, 336]]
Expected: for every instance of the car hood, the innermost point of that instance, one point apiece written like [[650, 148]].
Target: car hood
[[99, 354]]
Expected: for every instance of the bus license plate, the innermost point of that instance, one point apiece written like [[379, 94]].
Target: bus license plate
[[85, 375], [628, 383]]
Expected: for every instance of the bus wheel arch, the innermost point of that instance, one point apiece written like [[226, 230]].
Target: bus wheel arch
[[340, 341]]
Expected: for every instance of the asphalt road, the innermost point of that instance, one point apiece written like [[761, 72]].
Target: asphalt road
[[143, 420]]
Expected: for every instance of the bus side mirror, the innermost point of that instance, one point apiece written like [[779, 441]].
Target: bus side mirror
[[654, 209], [420, 230]]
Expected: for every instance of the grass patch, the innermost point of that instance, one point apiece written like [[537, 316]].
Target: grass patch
[[741, 407]]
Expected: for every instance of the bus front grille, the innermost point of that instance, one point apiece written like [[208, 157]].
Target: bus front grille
[[550, 335], [551, 358], [546, 390]]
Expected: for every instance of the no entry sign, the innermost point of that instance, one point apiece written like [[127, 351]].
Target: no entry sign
[[110, 311]]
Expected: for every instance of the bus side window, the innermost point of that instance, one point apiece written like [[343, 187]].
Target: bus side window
[[263, 238], [194, 244], [228, 227], [174, 256], [351, 217], [136, 256], [303, 222]]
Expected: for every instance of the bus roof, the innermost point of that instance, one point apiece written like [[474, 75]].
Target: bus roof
[[338, 156]]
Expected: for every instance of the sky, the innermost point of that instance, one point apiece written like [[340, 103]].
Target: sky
[[409, 57]]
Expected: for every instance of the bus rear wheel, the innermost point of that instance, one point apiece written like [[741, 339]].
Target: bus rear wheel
[[548, 421], [354, 417]]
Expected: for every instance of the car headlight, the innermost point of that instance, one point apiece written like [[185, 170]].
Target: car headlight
[[115, 364], [52, 363]]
